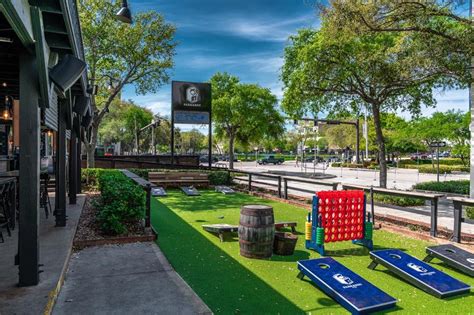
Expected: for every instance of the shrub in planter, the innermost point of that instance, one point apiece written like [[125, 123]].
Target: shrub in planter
[[470, 212], [398, 201], [453, 186], [219, 178], [121, 202]]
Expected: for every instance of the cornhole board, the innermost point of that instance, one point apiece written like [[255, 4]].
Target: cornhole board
[[349, 289], [225, 190], [221, 229], [418, 273], [452, 256], [190, 191], [158, 192], [281, 225]]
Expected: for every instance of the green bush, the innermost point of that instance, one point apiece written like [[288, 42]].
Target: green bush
[[448, 169], [470, 212], [398, 201], [121, 201], [90, 177], [448, 161], [219, 178], [452, 186]]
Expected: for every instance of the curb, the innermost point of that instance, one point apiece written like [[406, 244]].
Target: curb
[[53, 294]]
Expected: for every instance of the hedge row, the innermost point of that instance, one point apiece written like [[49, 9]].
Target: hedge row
[[398, 201], [448, 169], [448, 161], [121, 202], [452, 186]]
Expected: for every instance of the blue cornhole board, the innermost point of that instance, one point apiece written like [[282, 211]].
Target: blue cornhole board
[[453, 256], [349, 289], [418, 273], [158, 192]]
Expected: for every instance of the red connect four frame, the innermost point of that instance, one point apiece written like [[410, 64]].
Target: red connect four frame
[[342, 215]]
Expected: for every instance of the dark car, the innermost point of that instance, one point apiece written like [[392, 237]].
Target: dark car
[[205, 159], [271, 160], [310, 159]]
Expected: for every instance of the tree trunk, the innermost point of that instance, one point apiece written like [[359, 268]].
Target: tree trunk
[[90, 147], [381, 145], [231, 152]]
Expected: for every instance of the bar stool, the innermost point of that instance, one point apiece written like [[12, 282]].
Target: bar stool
[[5, 214], [45, 202]]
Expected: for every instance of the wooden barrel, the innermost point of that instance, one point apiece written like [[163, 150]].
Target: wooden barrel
[[256, 231], [285, 244]]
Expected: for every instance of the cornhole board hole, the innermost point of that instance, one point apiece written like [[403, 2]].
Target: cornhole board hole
[[281, 225], [418, 273], [158, 192], [349, 289], [190, 191], [452, 256], [221, 229], [225, 190]]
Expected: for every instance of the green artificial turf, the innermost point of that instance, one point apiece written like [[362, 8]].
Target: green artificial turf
[[229, 283]]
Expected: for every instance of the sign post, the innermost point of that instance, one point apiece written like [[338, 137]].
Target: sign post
[[191, 103], [437, 145]]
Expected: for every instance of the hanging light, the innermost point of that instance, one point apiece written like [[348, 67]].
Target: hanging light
[[8, 105], [124, 14]]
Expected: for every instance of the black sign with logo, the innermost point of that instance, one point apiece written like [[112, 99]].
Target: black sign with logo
[[189, 96]]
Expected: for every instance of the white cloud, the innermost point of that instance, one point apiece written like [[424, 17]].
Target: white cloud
[[254, 28]]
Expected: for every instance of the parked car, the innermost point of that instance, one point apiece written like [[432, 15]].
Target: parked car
[[205, 159], [271, 160], [310, 159], [420, 156]]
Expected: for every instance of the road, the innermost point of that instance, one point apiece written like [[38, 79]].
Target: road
[[398, 178]]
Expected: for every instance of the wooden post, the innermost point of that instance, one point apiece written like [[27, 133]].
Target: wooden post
[[434, 217], [148, 206], [28, 243], [457, 221], [372, 207], [60, 195], [285, 187], [73, 169], [79, 165], [279, 186], [250, 182]]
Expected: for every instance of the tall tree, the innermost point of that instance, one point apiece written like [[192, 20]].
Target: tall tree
[[119, 54], [243, 112], [341, 66]]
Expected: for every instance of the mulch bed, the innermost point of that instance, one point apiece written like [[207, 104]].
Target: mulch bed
[[89, 232]]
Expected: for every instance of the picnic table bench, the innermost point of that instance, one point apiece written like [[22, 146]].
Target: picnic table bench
[[433, 198], [167, 179]]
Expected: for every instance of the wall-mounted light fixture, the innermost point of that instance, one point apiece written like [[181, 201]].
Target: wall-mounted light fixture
[[124, 14]]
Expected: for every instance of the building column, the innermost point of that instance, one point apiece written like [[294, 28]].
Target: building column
[[60, 191], [29, 180], [79, 165], [72, 168]]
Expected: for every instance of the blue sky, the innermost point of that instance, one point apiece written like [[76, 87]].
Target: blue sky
[[243, 37]]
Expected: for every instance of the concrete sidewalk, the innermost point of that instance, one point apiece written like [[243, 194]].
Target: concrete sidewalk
[[125, 279], [55, 247]]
